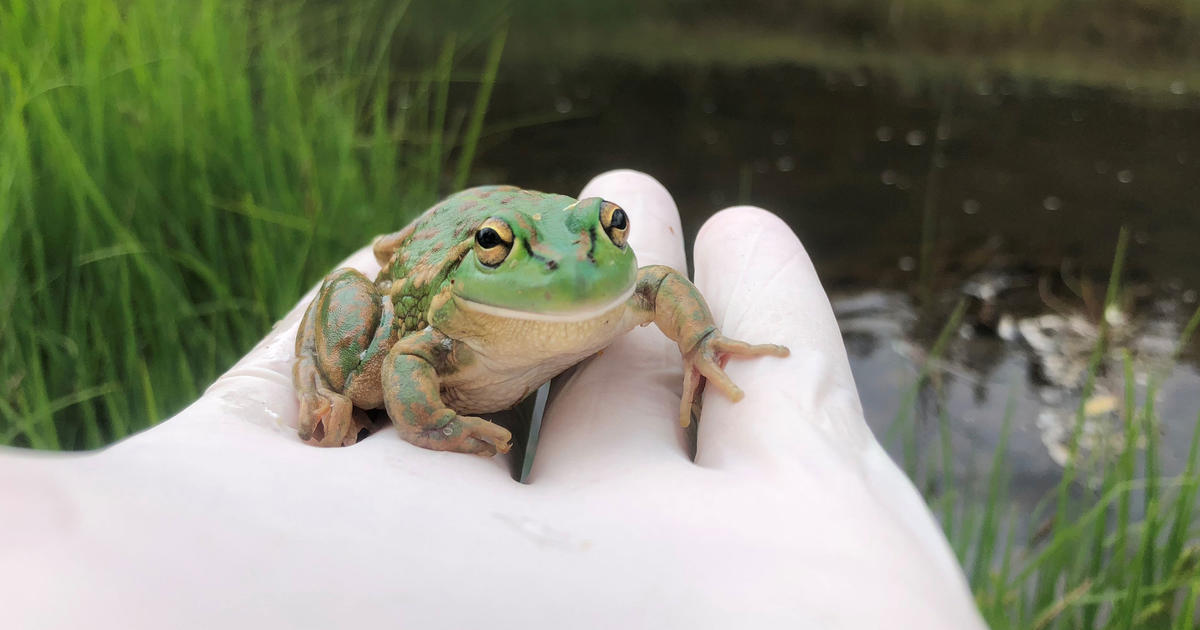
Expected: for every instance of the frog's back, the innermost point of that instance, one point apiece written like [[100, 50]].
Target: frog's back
[[432, 237]]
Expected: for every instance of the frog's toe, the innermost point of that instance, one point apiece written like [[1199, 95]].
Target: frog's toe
[[705, 364], [489, 433], [732, 347], [465, 434], [469, 434], [713, 373], [478, 447], [693, 385], [699, 371], [330, 419]]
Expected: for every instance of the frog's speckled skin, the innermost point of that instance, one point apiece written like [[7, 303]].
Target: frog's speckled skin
[[483, 298]]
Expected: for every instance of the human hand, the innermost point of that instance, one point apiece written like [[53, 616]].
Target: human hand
[[791, 515]]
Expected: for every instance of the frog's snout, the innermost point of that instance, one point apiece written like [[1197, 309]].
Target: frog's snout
[[575, 280]]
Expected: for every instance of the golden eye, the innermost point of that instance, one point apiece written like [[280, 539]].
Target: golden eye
[[493, 241], [615, 223]]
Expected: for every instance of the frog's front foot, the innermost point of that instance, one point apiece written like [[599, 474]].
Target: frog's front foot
[[706, 360], [462, 434], [330, 419]]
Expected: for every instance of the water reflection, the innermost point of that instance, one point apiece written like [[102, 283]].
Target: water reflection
[[1034, 370], [1010, 195], [1052, 177]]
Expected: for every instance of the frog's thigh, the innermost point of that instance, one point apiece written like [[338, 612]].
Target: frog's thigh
[[347, 315]]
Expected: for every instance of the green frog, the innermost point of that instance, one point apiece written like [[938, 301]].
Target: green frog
[[480, 300]]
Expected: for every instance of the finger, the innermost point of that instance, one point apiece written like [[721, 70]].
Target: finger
[[761, 287], [619, 406], [801, 414]]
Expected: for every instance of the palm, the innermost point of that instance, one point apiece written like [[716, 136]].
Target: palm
[[790, 515]]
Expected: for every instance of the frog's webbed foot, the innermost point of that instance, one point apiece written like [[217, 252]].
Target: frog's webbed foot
[[665, 297], [328, 418], [462, 434], [706, 360]]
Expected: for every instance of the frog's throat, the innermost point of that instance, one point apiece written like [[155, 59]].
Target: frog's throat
[[579, 315]]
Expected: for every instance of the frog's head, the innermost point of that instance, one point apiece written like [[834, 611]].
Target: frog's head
[[555, 259]]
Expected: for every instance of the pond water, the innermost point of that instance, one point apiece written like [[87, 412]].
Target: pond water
[[911, 197]]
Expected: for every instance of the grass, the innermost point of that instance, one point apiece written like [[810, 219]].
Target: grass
[[1113, 546], [174, 175]]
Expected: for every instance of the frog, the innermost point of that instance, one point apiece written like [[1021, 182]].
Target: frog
[[481, 299]]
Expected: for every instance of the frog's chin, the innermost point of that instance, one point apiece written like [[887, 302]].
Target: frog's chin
[[564, 316]]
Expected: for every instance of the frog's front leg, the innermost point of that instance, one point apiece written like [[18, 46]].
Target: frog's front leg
[[665, 297], [343, 338], [411, 393]]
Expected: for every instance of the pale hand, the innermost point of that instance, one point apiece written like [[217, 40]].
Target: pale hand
[[791, 516]]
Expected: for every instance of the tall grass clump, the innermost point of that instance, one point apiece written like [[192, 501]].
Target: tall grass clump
[[1114, 545], [174, 175]]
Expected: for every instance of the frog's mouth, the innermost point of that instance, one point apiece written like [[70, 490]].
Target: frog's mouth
[[576, 315]]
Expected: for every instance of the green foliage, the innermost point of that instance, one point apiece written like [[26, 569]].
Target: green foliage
[[1114, 546], [174, 175]]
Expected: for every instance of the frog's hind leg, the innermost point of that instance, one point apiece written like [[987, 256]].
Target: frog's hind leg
[[327, 418], [342, 340]]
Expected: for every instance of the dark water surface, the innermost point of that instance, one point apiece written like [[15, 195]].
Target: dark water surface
[[1009, 195]]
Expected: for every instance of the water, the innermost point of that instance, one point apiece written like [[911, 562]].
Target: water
[[910, 196]]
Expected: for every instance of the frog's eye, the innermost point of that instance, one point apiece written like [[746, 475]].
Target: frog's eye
[[615, 223], [493, 241]]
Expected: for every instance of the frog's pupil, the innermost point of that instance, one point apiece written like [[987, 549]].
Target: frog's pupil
[[618, 220], [488, 238]]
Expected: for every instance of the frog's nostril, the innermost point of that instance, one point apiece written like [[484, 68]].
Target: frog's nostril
[[551, 265]]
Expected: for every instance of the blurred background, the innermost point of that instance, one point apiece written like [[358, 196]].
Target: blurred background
[[999, 196]]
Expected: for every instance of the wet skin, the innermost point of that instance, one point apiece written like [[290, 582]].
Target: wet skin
[[479, 301]]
